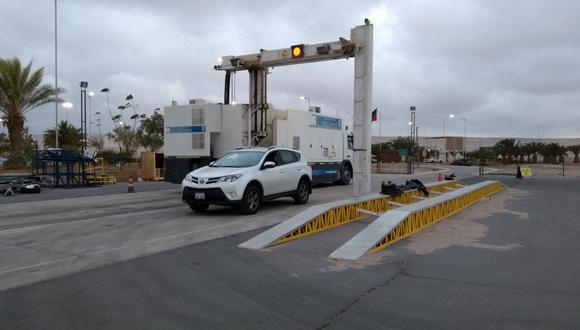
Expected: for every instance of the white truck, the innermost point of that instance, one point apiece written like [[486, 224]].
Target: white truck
[[197, 133]]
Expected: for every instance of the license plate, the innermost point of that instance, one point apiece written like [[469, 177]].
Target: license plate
[[199, 196]]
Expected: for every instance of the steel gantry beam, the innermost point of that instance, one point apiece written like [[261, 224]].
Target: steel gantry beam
[[360, 46]]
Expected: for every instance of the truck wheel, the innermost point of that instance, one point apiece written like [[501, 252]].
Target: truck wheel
[[251, 200], [198, 207], [346, 175], [302, 192]]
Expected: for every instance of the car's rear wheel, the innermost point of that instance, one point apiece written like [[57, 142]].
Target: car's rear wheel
[[199, 207], [251, 200], [302, 192]]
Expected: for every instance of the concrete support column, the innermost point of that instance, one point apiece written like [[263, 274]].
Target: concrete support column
[[362, 36]]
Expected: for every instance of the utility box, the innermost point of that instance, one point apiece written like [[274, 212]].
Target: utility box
[[152, 166]]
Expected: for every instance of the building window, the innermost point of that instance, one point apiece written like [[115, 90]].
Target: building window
[[296, 142], [198, 141], [197, 117]]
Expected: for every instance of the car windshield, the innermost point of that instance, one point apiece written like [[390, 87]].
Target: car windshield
[[239, 159]]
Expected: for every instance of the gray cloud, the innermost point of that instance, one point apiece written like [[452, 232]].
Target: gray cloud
[[508, 67]]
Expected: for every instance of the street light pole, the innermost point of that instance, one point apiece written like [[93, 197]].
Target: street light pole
[[444, 138], [454, 144], [66, 106], [413, 133], [464, 137], [91, 94], [55, 75], [84, 86], [307, 99]]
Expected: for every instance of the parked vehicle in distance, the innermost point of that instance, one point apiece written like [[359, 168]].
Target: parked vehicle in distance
[[433, 160], [247, 176], [461, 162], [31, 188]]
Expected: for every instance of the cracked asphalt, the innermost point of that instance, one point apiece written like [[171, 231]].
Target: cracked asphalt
[[508, 262]]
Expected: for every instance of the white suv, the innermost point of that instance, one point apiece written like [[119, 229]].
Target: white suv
[[246, 177]]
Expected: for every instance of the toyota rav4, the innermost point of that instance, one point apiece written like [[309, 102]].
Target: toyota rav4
[[246, 177]]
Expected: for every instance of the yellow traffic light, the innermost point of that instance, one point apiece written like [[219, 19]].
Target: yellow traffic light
[[297, 51]]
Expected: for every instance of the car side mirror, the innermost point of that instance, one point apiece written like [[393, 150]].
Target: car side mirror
[[269, 165]]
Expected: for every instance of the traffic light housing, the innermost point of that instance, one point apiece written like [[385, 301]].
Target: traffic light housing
[[297, 51]]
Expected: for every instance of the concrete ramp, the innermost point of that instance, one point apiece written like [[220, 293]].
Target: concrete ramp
[[400, 223]]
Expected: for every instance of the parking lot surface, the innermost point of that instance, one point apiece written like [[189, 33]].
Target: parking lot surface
[[58, 236], [506, 262]]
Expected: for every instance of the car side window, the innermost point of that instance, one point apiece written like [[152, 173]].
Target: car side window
[[286, 157], [271, 157], [296, 156]]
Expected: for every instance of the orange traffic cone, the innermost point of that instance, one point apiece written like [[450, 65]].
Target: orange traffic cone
[[131, 188]]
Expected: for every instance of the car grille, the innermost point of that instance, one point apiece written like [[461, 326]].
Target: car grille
[[205, 180]]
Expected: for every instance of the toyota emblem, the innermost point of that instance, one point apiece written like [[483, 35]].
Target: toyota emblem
[[201, 180]]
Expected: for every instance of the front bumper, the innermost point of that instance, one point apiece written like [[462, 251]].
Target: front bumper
[[206, 195]]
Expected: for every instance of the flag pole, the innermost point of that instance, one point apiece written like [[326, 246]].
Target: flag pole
[[380, 123]]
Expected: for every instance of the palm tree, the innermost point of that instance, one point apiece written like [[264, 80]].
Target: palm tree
[[4, 145], [69, 137], [575, 149], [20, 92], [552, 152], [507, 148], [534, 149], [526, 151]]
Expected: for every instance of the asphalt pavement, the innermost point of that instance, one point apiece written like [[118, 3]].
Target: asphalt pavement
[[506, 262], [58, 236]]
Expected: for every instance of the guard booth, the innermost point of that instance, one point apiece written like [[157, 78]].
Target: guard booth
[[152, 166]]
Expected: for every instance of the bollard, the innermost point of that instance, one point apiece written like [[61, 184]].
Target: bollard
[[519, 173], [439, 178], [131, 188]]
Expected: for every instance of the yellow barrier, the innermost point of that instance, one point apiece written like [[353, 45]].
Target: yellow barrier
[[526, 171], [102, 180], [349, 213], [429, 216]]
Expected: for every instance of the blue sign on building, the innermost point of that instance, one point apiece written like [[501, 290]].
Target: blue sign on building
[[187, 129], [327, 122]]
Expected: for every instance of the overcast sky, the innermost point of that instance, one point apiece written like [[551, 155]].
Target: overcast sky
[[512, 68]]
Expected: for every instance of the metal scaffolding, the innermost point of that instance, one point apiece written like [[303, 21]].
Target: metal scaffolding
[[68, 169]]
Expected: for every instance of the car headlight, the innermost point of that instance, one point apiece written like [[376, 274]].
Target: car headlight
[[188, 177], [229, 178]]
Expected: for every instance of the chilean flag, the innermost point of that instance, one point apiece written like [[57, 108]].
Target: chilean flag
[[374, 116]]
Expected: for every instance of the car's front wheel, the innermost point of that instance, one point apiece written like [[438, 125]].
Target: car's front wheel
[[302, 192], [199, 207], [251, 200]]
